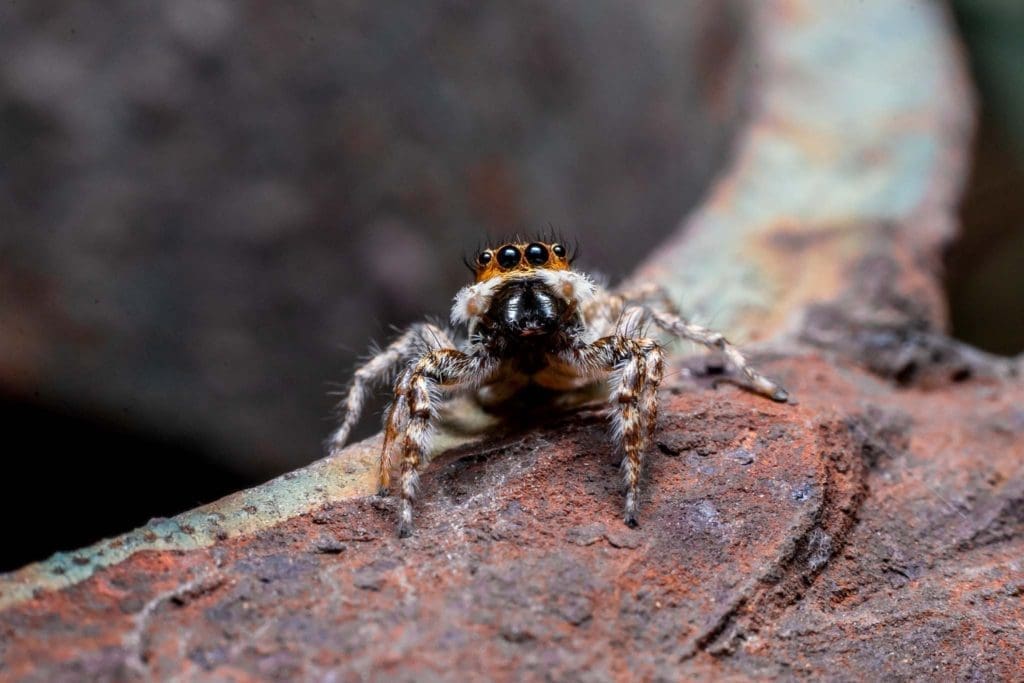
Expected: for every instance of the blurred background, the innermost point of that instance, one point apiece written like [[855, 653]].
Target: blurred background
[[209, 208]]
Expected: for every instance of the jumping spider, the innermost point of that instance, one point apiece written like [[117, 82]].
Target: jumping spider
[[531, 321]]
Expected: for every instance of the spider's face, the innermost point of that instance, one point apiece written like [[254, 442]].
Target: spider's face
[[522, 290]]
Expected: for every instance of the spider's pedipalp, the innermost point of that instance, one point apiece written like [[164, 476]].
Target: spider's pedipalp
[[570, 285], [472, 301]]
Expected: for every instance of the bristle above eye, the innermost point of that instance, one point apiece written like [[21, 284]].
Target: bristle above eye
[[574, 252]]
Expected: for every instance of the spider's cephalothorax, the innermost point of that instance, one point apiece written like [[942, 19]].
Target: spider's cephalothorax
[[530, 320]]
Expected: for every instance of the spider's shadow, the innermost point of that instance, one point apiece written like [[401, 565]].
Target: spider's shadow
[[514, 428]]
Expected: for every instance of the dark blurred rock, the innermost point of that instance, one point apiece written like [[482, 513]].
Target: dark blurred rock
[[210, 208]]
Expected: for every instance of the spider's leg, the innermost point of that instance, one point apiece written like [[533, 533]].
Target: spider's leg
[[635, 365], [377, 368], [439, 371], [675, 324], [604, 312], [647, 294], [396, 422]]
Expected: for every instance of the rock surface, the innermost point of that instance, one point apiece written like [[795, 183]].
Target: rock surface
[[865, 533]]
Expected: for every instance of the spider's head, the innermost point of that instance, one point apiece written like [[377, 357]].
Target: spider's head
[[522, 290]]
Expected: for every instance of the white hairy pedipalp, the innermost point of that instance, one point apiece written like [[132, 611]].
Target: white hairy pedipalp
[[473, 300], [572, 286]]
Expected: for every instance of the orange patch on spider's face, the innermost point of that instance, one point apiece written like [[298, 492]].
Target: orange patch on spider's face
[[473, 307], [524, 257]]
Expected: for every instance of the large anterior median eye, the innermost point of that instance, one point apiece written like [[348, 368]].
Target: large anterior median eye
[[536, 254], [508, 257]]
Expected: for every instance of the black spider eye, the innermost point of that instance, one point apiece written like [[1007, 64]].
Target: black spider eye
[[536, 254], [484, 258], [508, 257], [559, 250]]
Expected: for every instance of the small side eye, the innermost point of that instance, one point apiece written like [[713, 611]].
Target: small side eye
[[484, 258], [508, 257], [559, 250], [536, 254]]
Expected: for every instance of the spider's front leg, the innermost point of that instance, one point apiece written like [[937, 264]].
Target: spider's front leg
[[635, 365], [411, 420]]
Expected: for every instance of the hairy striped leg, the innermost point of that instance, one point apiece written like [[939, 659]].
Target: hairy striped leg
[[673, 323], [604, 313], [635, 366], [647, 293], [410, 426], [395, 423], [660, 308], [413, 343]]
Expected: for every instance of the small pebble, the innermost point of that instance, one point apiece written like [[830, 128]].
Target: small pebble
[[329, 545], [625, 538]]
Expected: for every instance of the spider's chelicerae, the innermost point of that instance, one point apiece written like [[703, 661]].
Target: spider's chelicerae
[[530, 320]]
